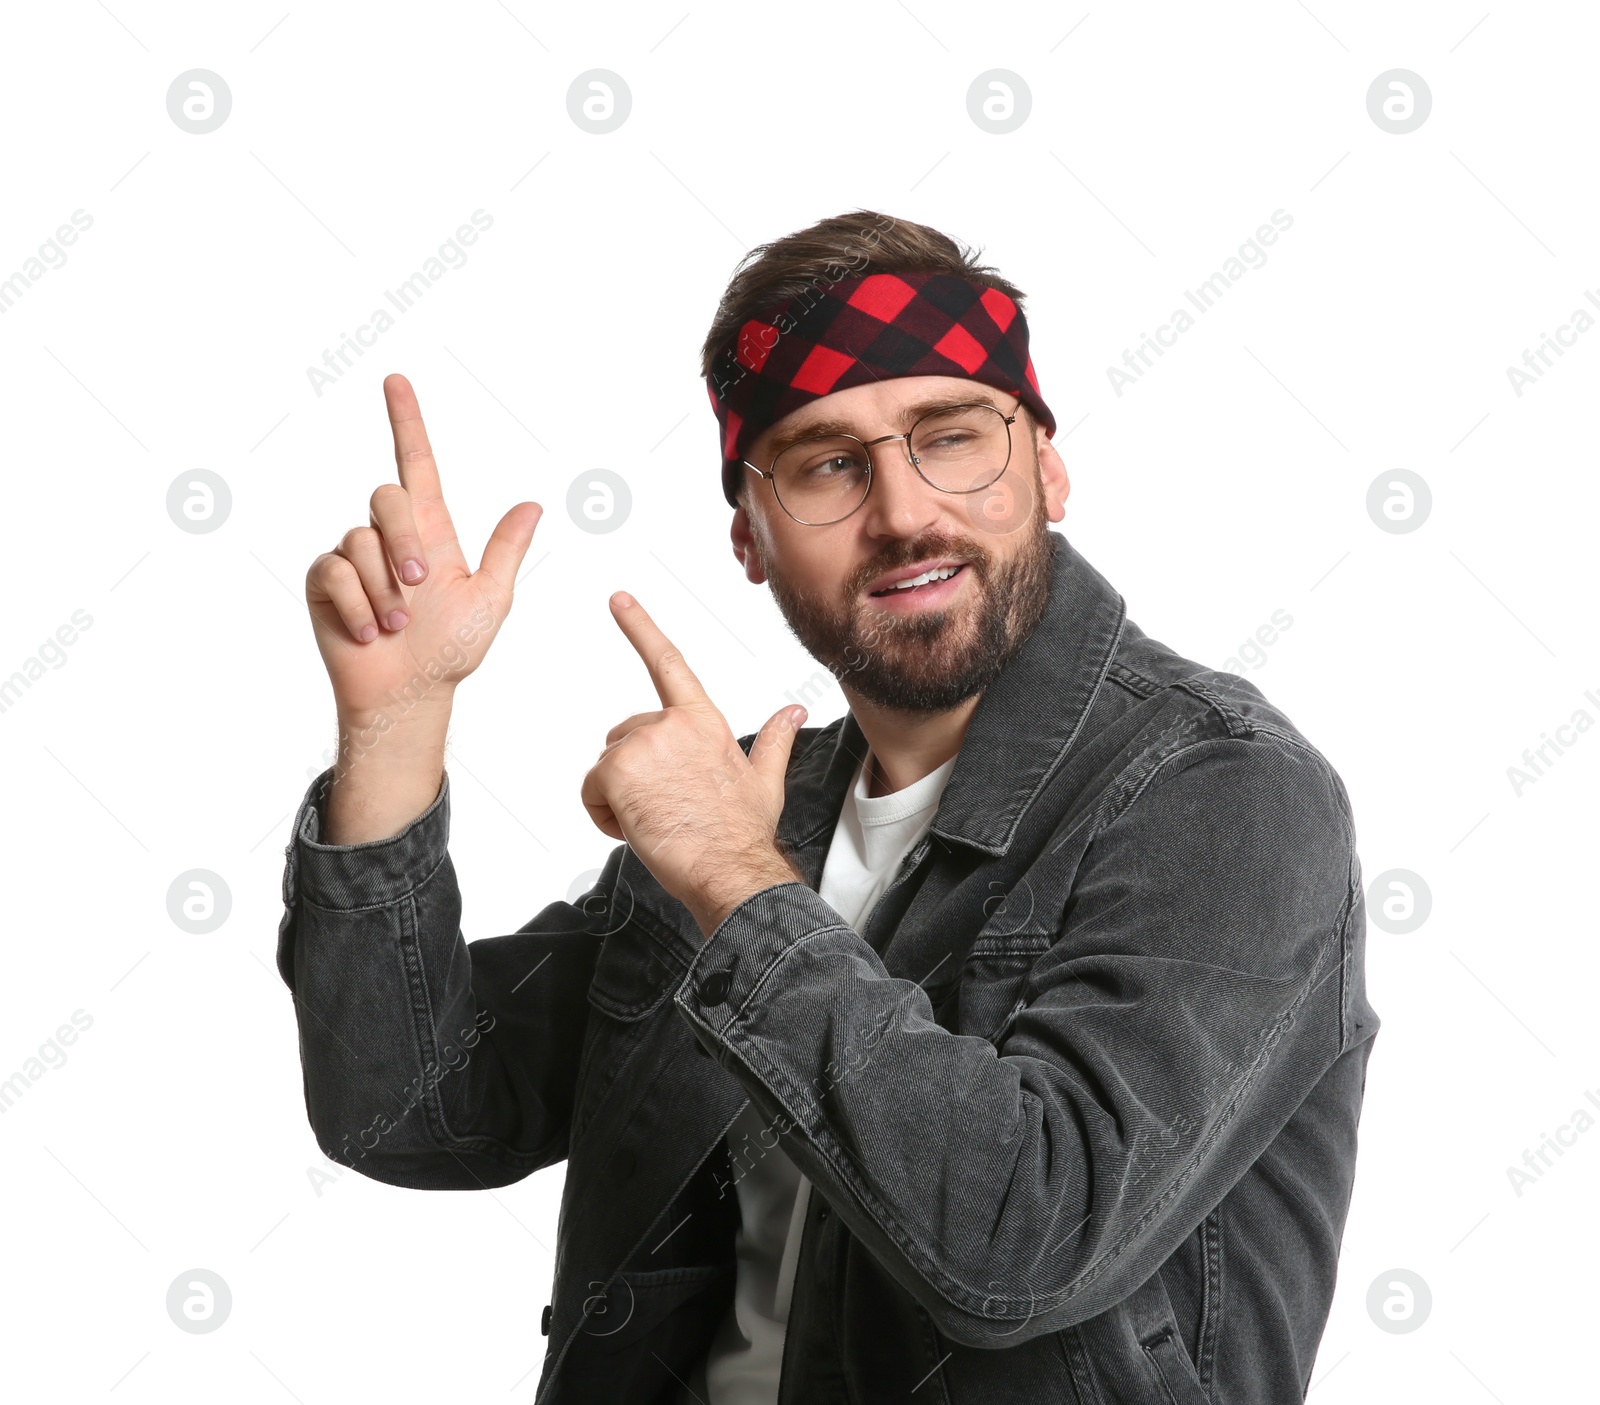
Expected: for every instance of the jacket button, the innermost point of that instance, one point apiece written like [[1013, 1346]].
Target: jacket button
[[544, 1321], [714, 986]]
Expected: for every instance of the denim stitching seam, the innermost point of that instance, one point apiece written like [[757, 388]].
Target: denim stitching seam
[[1211, 1299], [379, 906]]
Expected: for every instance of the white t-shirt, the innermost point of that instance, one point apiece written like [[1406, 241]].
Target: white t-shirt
[[873, 834]]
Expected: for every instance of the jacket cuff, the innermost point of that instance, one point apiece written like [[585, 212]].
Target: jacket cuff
[[371, 874], [730, 968]]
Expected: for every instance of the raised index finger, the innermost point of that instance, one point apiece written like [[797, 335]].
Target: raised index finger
[[675, 681], [419, 474]]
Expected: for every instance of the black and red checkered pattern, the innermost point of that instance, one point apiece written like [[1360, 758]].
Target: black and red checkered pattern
[[866, 329]]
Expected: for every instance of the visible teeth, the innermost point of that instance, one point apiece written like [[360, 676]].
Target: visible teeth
[[942, 573]]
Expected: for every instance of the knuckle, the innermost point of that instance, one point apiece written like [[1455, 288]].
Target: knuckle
[[390, 494], [358, 539], [329, 569]]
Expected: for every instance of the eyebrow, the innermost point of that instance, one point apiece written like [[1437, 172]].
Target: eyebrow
[[908, 415]]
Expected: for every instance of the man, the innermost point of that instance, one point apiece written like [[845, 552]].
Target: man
[[1032, 987]]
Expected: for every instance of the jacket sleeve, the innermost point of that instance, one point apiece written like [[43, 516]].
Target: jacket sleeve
[[428, 1062], [1190, 999]]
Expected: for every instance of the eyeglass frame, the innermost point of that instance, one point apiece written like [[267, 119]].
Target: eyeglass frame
[[867, 444]]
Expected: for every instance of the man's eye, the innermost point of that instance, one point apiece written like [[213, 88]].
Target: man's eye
[[830, 467]]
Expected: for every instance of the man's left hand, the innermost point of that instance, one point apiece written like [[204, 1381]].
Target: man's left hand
[[677, 786]]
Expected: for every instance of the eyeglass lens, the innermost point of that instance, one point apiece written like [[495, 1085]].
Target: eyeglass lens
[[958, 450]]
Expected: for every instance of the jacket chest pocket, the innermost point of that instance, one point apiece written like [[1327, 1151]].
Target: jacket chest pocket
[[643, 957], [992, 987], [634, 975], [635, 971]]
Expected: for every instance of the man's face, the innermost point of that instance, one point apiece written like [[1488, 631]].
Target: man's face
[[926, 649]]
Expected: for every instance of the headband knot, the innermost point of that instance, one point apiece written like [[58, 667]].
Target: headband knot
[[886, 325]]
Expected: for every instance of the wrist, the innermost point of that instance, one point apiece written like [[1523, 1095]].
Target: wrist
[[371, 757], [406, 723], [715, 905]]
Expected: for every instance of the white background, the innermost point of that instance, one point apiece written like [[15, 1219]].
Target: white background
[[1228, 483]]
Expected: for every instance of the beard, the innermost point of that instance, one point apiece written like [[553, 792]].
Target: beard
[[931, 660]]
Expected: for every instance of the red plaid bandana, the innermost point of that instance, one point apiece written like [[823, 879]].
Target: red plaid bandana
[[866, 329]]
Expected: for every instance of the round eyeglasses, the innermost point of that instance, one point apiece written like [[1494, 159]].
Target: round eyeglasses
[[822, 479]]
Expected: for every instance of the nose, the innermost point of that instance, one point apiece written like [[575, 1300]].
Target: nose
[[900, 501]]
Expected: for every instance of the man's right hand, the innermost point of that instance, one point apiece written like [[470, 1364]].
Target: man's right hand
[[397, 595], [400, 619]]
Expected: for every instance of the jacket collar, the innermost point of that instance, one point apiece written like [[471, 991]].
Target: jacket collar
[[1022, 727]]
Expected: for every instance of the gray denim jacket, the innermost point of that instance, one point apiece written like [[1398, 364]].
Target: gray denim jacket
[[1079, 1108]]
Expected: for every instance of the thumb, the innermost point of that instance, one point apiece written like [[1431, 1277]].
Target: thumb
[[508, 544], [769, 753]]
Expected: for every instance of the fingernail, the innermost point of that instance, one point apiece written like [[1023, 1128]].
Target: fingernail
[[624, 599], [398, 619], [368, 633], [411, 572]]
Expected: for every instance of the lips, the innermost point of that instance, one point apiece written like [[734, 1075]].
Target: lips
[[896, 589]]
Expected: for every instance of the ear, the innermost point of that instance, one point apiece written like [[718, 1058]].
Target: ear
[[744, 546], [1052, 476]]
